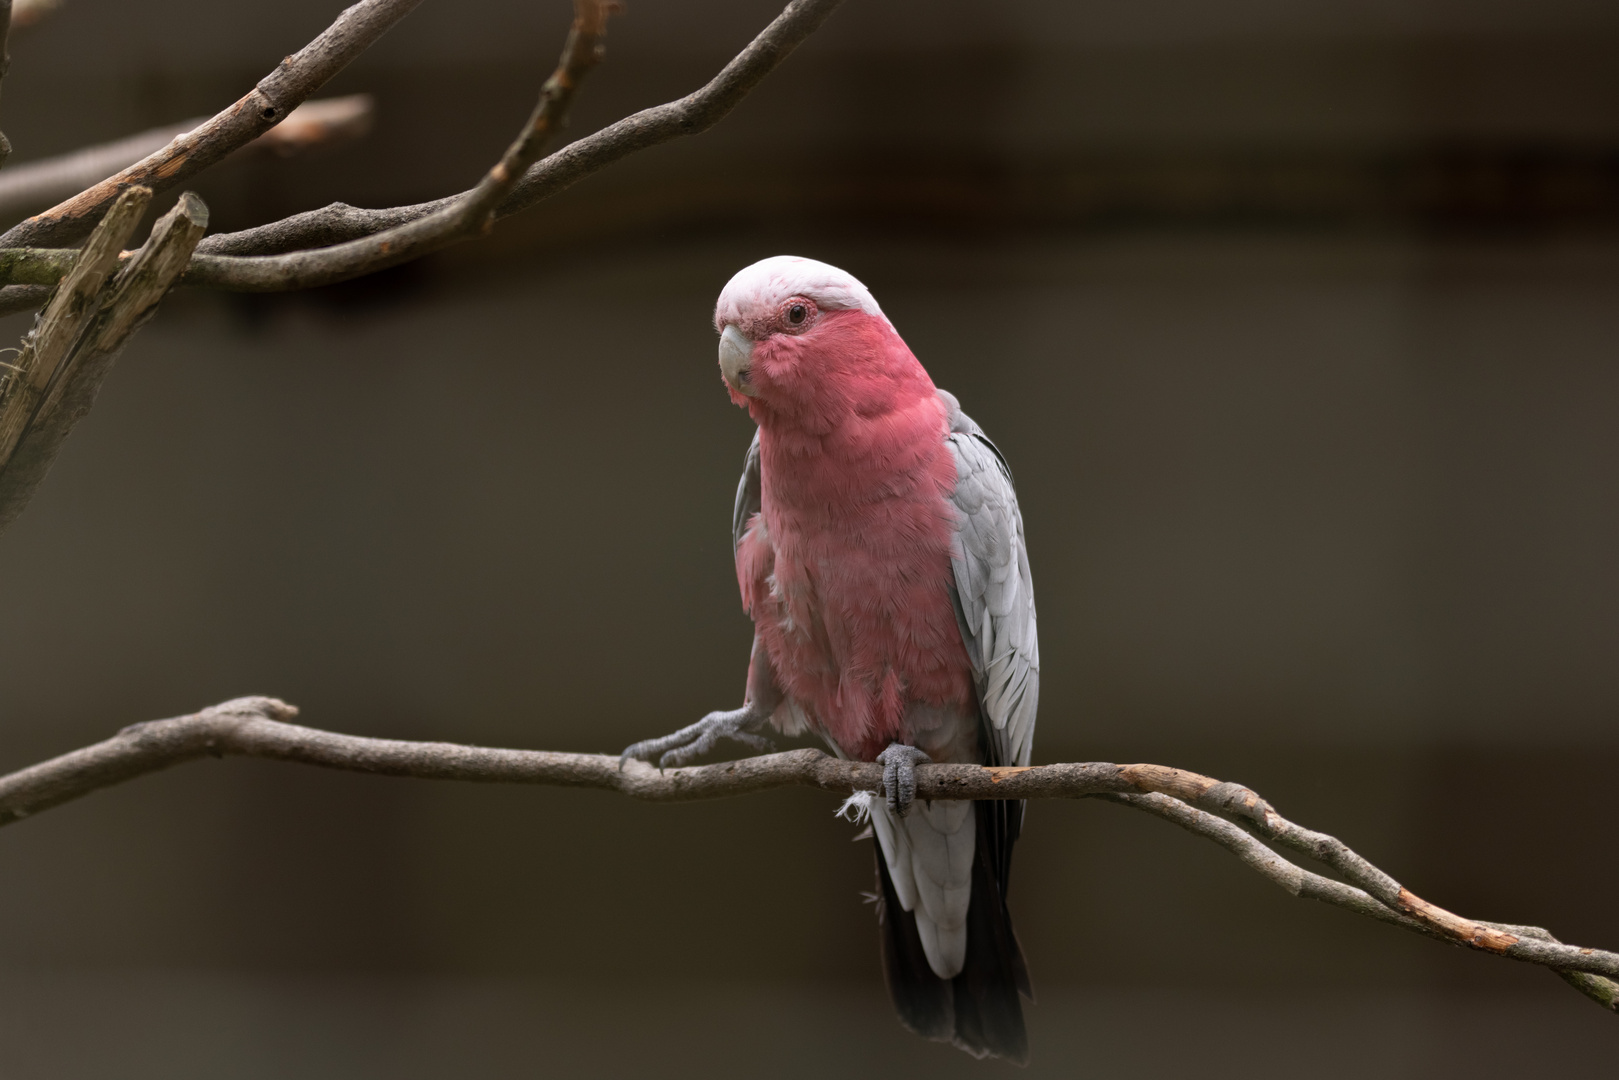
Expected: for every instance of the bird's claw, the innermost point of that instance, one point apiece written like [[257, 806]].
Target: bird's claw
[[695, 740], [899, 764]]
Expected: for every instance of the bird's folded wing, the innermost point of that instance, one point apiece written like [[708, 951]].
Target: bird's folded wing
[[747, 494], [994, 594]]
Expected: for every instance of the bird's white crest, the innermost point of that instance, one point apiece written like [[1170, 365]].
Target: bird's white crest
[[762, 287]]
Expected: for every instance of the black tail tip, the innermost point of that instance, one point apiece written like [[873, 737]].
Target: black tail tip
[[961, 1014], [980, 1011]]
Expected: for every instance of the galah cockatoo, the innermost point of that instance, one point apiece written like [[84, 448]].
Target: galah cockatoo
[[880, 553]]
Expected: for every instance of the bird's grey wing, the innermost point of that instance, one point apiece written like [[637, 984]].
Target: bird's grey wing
[[747, 493], [994, 594]]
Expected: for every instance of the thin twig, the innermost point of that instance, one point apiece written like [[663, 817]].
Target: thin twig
[[266, 105], [1255, 814], [36, 184], [1311, 886], [258, 727], [690, 115], [469, 214], [1604, 992], [345, 241]]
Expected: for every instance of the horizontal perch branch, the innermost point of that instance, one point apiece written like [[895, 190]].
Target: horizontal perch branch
[[1229, 814]]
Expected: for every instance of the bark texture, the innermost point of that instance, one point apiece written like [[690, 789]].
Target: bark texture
[[71, 350], [1233, 816]]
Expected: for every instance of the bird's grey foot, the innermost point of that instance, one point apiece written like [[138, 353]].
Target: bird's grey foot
[[689, 743], [899, 764]]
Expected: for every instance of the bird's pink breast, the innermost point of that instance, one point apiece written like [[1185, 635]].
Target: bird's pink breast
[[849, 577]]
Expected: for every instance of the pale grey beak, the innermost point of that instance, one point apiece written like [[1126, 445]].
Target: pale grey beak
[[736, 353]]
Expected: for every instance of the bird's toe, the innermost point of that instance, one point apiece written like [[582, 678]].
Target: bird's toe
[[692, 742], [899, 775]]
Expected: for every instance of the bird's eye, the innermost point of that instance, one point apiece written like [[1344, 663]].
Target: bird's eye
[[796, 314]]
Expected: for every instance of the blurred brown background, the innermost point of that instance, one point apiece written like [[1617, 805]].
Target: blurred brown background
[[1296, 321]]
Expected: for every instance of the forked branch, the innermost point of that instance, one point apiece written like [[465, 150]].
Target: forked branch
[[340, 241], [467, 215], [691, 115], [41, 183], [260, 109], [1229, 814], [370, 240]]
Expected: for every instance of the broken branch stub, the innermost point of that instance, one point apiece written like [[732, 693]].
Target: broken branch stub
[[60, 325], [133, 295], [72, 348]]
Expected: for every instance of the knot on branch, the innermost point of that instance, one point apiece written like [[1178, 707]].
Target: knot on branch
[[217, 719], [252, 708], [1238, 801]]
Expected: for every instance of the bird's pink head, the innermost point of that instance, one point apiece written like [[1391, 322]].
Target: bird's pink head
[[805, 343]]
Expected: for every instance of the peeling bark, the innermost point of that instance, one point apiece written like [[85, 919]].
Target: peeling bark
[[71, 350]]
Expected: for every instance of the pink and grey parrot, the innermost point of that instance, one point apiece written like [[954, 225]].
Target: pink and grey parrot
[[880, 553]]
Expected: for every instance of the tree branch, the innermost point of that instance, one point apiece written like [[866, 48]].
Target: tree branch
[[342, 241], [69, 353], [467, 215], [15, 298], [266, 105], [258, 727], [691, 115], [60, 326], [1310, 886], [35, 184]]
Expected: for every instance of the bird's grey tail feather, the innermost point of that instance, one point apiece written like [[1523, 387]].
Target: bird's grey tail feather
[[979, 1010], [923, 1000]]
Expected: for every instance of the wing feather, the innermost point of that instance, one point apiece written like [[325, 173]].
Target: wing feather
[[994, 594], [748, 498]]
